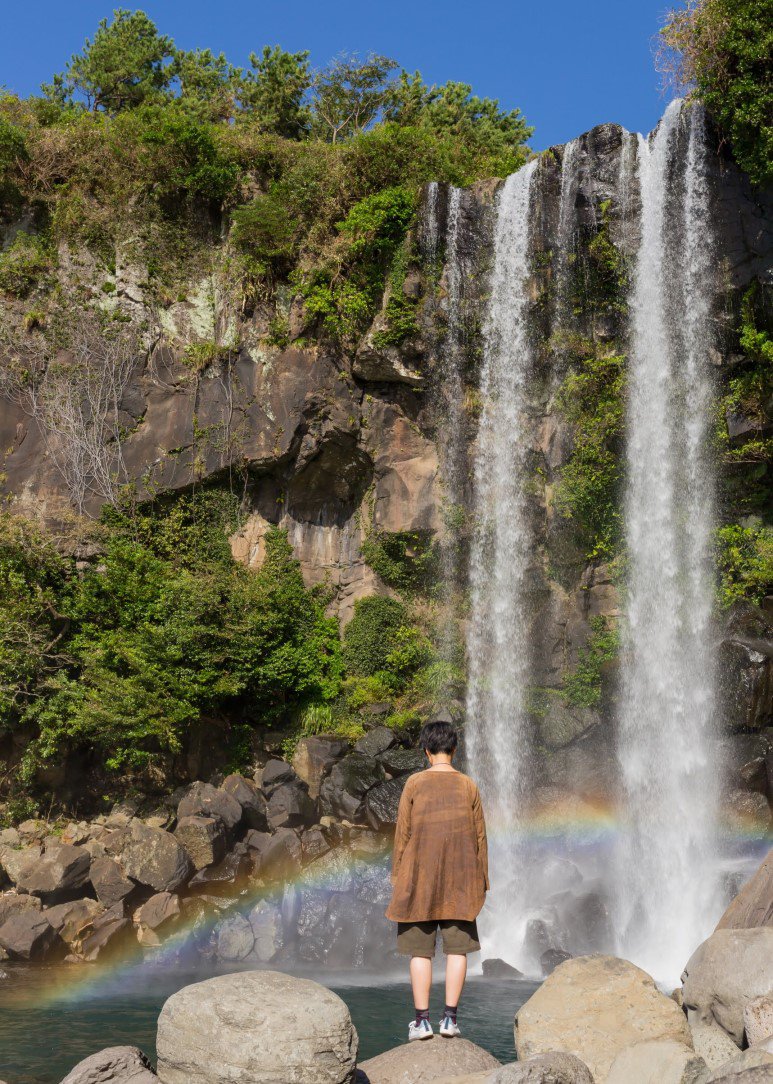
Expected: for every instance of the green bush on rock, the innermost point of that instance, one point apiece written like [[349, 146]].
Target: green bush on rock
[[745, 559]]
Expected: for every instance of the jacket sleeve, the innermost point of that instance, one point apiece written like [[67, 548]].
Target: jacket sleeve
[[403, 828], [480, 834]]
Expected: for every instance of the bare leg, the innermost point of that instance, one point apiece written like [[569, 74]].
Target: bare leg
[[421, 980], [456, 972]]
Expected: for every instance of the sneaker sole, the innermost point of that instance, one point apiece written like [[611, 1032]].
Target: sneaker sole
[[412, 1039]]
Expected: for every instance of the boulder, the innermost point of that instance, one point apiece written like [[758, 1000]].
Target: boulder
[[11, 903], [105, 933], [753, 1066], [758, 1019], [16, 860], [157, 914], [500, 969], [290, 806], [258, 1026], [382, 802], [28, 935], [276, 772], [594, 1007], [248, 795], [749, 810], [233, 939], [433, 1059], [553, 1068], [265, 920], [343, 790], [151, 857], [314, 843], [204, 800], [551, 958], [313, 758], [376, 741], [68, 919], [713, 1044], [115, 1065], [724, 973], [230, 871], [399, 761], [753, 906], [659, 1061], [204, 839], [280, 855], [110, 883]]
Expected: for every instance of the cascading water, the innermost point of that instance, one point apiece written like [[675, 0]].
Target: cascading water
[[498, 649], [667, 898], [566, 228]]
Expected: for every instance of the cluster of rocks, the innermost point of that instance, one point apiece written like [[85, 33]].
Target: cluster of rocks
[[288, 866], [596, 1020]]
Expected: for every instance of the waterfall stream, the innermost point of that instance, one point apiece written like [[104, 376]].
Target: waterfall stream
[[666, 897], [498, 648]]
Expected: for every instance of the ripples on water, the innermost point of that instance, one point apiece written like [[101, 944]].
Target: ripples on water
[[50, 1018]]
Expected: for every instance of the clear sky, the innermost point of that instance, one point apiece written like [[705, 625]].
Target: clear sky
[[567, 64]]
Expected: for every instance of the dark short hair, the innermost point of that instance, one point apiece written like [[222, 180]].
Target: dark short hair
[[438, 737]]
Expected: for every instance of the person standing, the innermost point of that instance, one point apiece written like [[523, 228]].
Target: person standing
[[439, 875]]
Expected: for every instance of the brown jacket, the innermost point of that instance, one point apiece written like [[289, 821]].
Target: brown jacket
[[440, 862]]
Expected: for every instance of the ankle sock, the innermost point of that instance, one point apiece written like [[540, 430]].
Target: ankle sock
[[421, 1014], [450, 1010]]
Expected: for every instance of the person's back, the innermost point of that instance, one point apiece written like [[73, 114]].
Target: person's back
[[439, 875]]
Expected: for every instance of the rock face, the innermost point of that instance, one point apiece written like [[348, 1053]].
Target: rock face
[[724, 973], [662, 1061], [115, 1065], [753, 906], [256, 1028], [758, 1019], [433, 1059], [713, 1044], [594, 1007], [60, 873]]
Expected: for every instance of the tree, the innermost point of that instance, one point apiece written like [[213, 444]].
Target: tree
[[125, 65], [349, 95], [208, 84], [721, 49], [453, 109], [275, 90]]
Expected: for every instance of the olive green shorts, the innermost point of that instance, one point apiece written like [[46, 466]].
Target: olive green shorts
[[418, 938]]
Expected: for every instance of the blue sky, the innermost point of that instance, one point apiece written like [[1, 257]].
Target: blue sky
[[567, 64]]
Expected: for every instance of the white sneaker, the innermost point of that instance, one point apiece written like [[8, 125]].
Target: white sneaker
[[449, 1027], [422, 1030]]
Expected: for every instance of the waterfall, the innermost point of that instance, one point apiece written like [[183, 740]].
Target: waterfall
[[498, 650], [565, 232], [669, 781]]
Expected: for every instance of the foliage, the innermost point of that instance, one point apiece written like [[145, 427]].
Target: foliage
[[125, 65], [13, 150], [208, 84], [24, 264], [194, 165], [722, 48], [371, 634], [275, 90], [405, 560], [349, 94], [745, 560], [588, 490], [583, 686]]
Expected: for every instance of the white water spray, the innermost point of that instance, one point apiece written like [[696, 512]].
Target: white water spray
[[498, 649], [666, 860]]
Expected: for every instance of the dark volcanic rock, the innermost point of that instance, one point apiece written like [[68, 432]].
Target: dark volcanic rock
[[290, 806], [382, 801], [499, 969], [204, 839], [228, 872], [550, 960], [314, 757], [249, 797], [105, 933], [376, 741], [344, 789], [403, 761], [280, 855], [28, 935], [204, 800], [109, 881], [151, 857], [274, 773], [60, 873]]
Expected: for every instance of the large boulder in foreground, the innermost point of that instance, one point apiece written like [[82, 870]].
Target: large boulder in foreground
[[753, 906], [724, 973], [661, 1061], [115, 1065], [151, 857], [544, 1069], [594, 1007], [256, 1027], [753, 1066], [433, 1059]]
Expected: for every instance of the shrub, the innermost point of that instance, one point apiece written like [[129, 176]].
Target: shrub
[[745, 560], [372, 634], [409, 561], [24, 265], [583, 686]]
